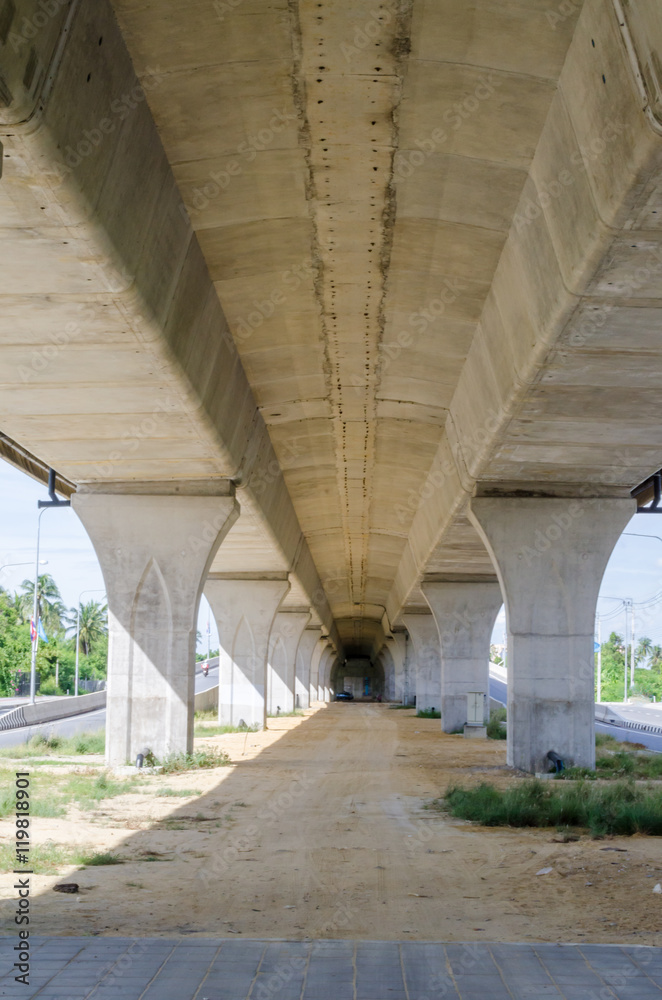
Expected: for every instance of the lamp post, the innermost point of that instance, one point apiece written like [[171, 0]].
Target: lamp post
[[41, 505], [43, 562], [99, 590]]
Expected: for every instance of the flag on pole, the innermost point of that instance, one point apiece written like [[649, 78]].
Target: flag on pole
[[40, 631], [33, 631]]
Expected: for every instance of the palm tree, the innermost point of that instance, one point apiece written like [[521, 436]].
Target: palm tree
[[49, 602], [93, 624], [655, 661], [643, 650]]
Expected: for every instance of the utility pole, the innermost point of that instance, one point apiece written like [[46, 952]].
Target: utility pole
[[41, 505], [627, 601], [633, 646], [599, 659]]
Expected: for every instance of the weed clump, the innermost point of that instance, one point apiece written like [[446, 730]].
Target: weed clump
[[428, 713], [206, 757], [618, 809], [495, 730], [99, 858]]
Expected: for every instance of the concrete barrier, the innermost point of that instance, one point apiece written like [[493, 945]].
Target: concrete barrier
[[204, 700], [51, 710]]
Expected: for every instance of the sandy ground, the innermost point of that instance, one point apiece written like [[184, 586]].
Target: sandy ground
[[319, 829]]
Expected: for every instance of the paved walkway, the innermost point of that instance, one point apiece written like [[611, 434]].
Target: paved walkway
[[208, 969]]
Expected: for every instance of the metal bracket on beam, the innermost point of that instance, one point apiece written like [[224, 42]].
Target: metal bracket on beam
[[53, 502], [649, 492]]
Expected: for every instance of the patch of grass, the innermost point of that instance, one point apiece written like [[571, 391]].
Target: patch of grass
[[495, 730], [206, 715], [202, 731], [206, 757], [603, 740], [46, 744], [285, 715], [395, 708], [44, 800], [99, 858], [619, 809], [180, 793], [428, 713], [88, 790], [45, 859], [621, 764]]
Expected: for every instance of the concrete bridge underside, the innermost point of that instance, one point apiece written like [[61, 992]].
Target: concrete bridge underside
[[359, 306]]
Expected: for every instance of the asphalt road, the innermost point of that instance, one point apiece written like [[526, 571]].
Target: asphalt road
[[89, 722], [637, 713]]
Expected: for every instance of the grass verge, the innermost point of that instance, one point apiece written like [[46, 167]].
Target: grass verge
[[619, 809], [428, 713], [209, 730], [45, 744], [620, 764]]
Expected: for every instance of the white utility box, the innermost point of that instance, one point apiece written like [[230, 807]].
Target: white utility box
[[476, 704]]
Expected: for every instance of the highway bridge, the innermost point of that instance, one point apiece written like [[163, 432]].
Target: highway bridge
[[348, 316]]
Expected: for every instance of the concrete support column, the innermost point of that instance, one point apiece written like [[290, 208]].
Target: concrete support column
[[155, 549], [465, 611], [385, 660], [316, 659], [309, 639], [427, 660], [326, 665], [283, 641], [397, 649], [550, 555], [244, 609]]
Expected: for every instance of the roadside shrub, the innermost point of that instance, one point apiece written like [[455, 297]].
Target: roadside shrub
[[495, 730]]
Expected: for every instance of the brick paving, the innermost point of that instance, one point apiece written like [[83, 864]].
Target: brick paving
[[113, 968]]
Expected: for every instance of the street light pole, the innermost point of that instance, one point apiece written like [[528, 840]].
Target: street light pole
[[600, 661], [99, 590], [35, 622], [43, 562], [41, 506]]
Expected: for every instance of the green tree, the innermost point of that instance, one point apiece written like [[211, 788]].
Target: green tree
[[643, 650], [15, 646], [49, 602], [613, 668], [92, 625]]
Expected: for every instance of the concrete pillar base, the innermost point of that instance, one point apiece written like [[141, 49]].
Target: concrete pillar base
[[244, 609], [283, 642], [155, 549], [304, 655], [550, 554], [475, 732], [427, 667], [464, 610]]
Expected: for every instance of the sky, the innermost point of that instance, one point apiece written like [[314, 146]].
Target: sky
[[634, 570], [65, 545]]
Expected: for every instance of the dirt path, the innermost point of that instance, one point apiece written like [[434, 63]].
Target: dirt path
[[320, 830]]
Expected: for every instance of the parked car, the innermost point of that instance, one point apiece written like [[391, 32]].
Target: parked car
[[344, 696]]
